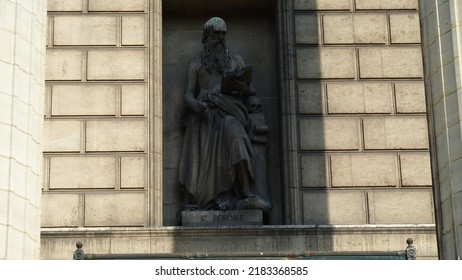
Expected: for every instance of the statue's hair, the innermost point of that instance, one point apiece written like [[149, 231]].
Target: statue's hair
[[213, 24]]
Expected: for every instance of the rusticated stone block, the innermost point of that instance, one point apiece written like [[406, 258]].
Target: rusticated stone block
[[117, 5], [401, 207], [416, 170], [82, 172], [60, 210], [307, 29], [359, 29], [133, 172], [359, 98], [61, 136], [334, 207], [329, 134], [314, 170], [115, 209], [410, 97], [405, 28], [310, 98], [364, 170], [315, 63], [85, 30], [322, 5], [87, 100], [396, 133], [134, 99], [64, 5], [390, 62], [133, 30], [63, 65], [122, 135], [116, 64], [386, 5]]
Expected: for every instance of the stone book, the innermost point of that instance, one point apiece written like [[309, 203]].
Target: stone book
[[232, 81]]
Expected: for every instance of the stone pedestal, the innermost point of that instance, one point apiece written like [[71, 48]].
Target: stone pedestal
[[222, 218]]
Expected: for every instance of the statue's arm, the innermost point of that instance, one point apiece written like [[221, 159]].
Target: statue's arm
[[188, 97]]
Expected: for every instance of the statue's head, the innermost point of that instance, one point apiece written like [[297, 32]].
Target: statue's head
[[212, 27]]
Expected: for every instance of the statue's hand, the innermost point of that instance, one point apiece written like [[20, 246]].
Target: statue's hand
[[243, 87], [199, 107]]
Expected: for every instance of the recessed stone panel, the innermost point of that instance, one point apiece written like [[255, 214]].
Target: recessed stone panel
[[306, 29], [117, 5], [334, 207], [61, 136], [60, 210], [322, 5], [310, 98], [133, 99], [314, 170], [410, 97], [323, 63], [64, 5], [115, 209], [133, 172], [82, 172], [386, 5], [390, 62], [116, 64], [86, 100], [63, 65], [133, 30], [364, 170], [359, 29], [396, 133], [401, 207], [415, 170], [405, 28], [329, 134], [85, 30], [122, 135], [369, 98]]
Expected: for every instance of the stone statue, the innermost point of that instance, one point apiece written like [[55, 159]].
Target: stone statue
[[223, 161]]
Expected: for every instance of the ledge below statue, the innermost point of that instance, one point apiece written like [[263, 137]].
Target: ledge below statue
[[222, 218]]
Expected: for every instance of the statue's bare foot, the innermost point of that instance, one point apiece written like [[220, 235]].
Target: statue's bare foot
[[253, 202]]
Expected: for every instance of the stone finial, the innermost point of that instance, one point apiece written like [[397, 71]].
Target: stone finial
[[79, 254], [411, 251]]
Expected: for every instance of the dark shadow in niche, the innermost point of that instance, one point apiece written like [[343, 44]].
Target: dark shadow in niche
[[252, 34]]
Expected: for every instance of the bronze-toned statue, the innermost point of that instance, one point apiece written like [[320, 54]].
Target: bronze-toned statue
[[219, 167]]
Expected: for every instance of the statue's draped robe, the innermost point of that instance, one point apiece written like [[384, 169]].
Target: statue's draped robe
[[215, 142]]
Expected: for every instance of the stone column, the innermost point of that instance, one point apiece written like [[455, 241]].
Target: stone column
[[22, 61], [442, 49]]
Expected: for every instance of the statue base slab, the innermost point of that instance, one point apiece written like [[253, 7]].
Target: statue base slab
[[222, 218]]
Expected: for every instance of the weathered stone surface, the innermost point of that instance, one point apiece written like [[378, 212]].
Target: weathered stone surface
[[322, 5], [316, 63], [359, 29], [334, 207], [222, 218], [63, 65], [82, 172], [329, 134], [116, 64], [133, 30], [386, 5], [405, 28], [410, 97], [60, 210], [390, 62], [117, 5], [121, 135], [115, 209], [401, 207], [307, 29], [415, 170], [364, 170], [87, 100], [134, 99], [61, 136], [310, 98], [359, 98], [85, 30], [133, 172], [64, 5], [314, 170], [396, 133]]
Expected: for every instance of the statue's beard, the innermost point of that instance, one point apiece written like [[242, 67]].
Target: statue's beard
[[216, 56]]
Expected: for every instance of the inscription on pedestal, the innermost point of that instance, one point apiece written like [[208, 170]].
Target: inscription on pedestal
[[221, 218]]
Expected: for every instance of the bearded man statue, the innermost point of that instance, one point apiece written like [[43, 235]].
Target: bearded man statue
[[217, 167]]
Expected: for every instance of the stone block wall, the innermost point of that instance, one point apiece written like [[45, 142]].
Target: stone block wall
[[359, 113], [98, 114]]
